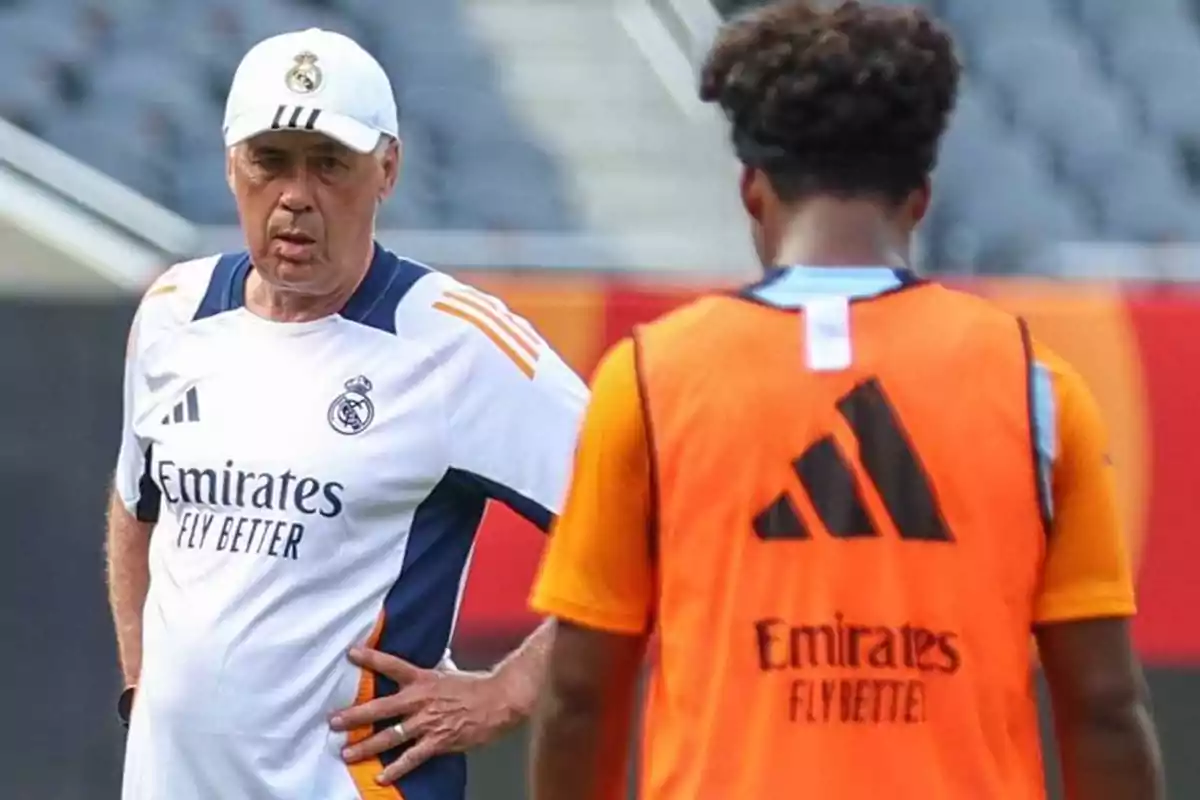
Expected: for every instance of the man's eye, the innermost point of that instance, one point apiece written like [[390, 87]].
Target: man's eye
[[328, 163], [271, 163]]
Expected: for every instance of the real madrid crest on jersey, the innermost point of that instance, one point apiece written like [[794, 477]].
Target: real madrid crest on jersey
[[352, 411], [305, 76]]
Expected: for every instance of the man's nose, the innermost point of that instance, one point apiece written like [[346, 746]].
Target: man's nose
[[297, 194]]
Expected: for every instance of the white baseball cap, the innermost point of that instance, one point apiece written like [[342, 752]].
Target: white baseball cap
[[311, 80]]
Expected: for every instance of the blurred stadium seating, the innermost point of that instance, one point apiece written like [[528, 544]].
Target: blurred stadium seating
[[1077, 121], [136, 88]]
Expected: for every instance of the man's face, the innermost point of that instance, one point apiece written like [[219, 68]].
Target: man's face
[[307, 206]]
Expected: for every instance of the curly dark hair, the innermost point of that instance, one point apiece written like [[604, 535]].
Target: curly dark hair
[[849, 100]]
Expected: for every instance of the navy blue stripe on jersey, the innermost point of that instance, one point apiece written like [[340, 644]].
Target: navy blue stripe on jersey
[[419, 610], [387, 280], [227, 286], [373, 303], [531, 510], [792, 287], [149, 502]]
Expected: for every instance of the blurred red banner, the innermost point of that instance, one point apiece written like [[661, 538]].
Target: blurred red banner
[[1138, 348]]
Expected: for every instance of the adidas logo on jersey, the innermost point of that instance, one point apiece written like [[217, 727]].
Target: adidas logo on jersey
[[186, 410]]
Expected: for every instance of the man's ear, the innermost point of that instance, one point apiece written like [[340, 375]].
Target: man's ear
[[392, 161], [230, 154], [916, 205], [751, 185]]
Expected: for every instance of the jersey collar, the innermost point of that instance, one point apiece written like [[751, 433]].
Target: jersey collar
[[792, 287], [373, 302]]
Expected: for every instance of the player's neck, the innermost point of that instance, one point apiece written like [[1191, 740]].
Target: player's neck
[[281, 305], [835, 233]]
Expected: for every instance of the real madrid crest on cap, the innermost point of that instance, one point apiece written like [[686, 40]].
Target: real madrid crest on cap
[[305, 76], [352, 411]]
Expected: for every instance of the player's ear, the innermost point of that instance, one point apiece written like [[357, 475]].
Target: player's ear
[[230, 154], [757, 193], [391, 159], [916, 205]]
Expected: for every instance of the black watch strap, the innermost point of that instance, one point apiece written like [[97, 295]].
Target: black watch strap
[[125, 705]]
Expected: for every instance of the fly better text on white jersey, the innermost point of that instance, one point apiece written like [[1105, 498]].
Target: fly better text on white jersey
[[245, 512]]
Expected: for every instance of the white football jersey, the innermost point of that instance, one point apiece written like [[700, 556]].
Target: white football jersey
[[315, 486]]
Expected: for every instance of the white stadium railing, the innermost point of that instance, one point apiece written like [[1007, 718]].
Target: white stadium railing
[[96, 226], [95, 222]]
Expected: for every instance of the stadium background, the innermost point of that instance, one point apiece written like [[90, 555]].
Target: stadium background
[[557, 158]]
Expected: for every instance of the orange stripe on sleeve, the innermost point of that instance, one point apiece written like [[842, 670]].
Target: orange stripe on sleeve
[[500, 308], [482, 297], [506, 325], [363, 773], [487, 330]]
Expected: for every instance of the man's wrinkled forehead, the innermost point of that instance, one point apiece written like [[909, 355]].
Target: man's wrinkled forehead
[[297, 143]]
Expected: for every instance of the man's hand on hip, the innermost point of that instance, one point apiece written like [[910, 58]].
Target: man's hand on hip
[[435, 711]]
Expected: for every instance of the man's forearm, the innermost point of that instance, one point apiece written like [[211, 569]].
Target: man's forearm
[[565, 750], [128, 555], [584, 718], [1114, 760], [523, 672]]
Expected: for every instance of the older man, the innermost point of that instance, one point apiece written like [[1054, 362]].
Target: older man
[[312, 429]]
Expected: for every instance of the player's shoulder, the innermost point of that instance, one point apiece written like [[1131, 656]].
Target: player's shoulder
[[432, 301], [457, 319], [180, 285], [982, 311], [172, 300], [989, 324], [1050, 360], [973, 308], [1070, 392], [701, 312]]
